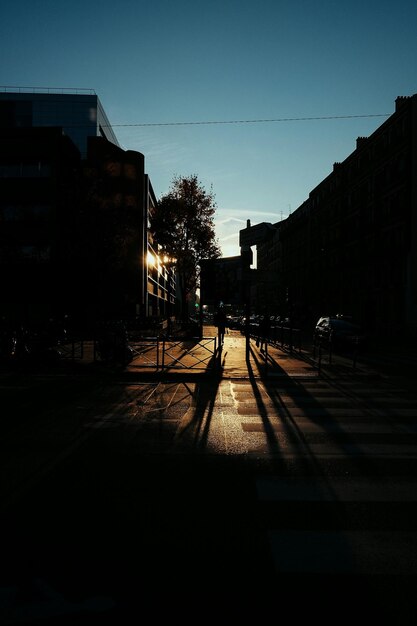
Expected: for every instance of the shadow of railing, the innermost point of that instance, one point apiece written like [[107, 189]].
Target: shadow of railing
[[170, 353]]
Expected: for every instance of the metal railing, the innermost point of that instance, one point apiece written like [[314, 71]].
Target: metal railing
[[146, 352], [169, 353], [199, 354], [283, 336], [323, 347], [71, 350]]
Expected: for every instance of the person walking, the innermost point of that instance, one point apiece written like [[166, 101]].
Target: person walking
[[220, 322], [264, 330]]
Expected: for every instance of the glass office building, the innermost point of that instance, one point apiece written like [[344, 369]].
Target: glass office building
[[81, 115]]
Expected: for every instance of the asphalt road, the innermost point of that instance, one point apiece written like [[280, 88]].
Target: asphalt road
[[239, 499]]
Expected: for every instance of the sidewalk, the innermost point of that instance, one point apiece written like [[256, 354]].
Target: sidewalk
[[237, 358], [125, 506], [234, 359]]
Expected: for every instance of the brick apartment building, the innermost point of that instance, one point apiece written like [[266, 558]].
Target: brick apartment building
[[351, 247]]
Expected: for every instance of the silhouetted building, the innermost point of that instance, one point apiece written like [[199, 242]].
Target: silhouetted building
[[74, 219], [221, 281], [39, 189], [117, 199], [351, 247], [79, 113]]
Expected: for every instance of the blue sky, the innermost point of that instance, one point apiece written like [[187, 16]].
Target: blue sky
[[170, 62]]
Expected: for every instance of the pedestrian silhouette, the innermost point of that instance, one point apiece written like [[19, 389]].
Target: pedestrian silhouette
[[264, 331], [220, 322]]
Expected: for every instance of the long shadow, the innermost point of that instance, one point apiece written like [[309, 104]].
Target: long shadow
[[311, 407], [122, 508], [319, 509], [272, 439], [291, 432], [293, 514], [194, 432]]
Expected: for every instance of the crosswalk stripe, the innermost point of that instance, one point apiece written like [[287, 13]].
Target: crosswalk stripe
[[341, 523], [307, 489], [353, 552]]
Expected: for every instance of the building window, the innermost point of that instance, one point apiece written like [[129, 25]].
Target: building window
[[36, 169]]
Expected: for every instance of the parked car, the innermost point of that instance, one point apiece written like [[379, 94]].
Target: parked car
[[340, 332], [232, 322]]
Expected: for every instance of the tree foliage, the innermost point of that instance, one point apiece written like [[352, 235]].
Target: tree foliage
[[183, 226]]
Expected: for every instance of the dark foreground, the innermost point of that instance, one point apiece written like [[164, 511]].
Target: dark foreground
[[111, 538], [103, 523]]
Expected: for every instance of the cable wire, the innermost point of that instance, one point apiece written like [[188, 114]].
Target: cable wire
[[255, 121]]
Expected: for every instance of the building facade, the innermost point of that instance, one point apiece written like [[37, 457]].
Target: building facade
[[351, 247], [74, 215], [78, 112], [117, 198], [39, 188]]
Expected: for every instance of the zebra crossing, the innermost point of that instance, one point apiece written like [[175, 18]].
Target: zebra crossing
[[337, 481]]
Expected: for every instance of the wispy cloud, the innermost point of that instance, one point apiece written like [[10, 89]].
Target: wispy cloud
[[227, 231], [255, 215], [229, 237], [230, 220]]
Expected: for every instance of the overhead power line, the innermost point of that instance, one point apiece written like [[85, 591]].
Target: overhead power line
[[256, 121]]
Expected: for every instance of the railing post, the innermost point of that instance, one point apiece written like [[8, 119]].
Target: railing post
[[266, 357], [330, 346]]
